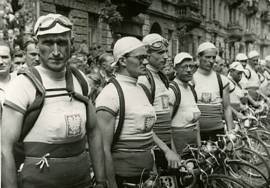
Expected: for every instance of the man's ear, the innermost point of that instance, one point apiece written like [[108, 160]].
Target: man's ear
[[72, 47], [72, 40], [123, 62]]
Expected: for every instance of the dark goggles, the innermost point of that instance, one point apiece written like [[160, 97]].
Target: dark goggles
[[49, 22], [159, 45]]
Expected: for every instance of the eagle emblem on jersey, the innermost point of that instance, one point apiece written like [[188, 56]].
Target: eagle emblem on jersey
[[73, 123]]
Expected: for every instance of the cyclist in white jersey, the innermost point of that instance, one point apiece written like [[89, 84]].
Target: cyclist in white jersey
[[213, 94], [254, 82], [238, 95], [242, 58], [185, 125], [266, 73], [54, 146], [157, 51], [128, 159]]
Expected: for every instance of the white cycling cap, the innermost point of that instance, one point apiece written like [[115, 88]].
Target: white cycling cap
[[253, 53], [241, 57], [178, 59], [124, 46], [206, 46], [267, 58], [237, 66], [52, 24]]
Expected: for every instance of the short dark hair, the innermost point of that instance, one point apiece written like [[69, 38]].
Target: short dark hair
[[18, 53], [30, 40], [4, 43], [102, 57]]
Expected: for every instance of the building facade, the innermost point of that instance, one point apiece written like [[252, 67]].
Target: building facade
[[232, 25]]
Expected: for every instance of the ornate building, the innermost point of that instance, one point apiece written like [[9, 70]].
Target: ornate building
[[233, 25]]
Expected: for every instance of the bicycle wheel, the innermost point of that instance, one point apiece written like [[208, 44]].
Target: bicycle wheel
[[248, 173], [249, 156], [264, 136], [222, 181], [258, 146]]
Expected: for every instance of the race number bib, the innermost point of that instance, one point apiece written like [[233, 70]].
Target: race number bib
[[73, 123]]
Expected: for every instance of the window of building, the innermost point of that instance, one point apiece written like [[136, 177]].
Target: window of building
[[156, 28], [62, 10], [92, 29], [214, 9]]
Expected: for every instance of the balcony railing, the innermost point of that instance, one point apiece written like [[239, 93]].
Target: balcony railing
[[266, 16], [188, 15], [251, 7], [194, 4], [264, 40], [250, 36], [234, 30], [235, 3], [130, 8]]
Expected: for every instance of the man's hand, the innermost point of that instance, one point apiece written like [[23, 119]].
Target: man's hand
[[231, 136], [241, 116], [173, 159]]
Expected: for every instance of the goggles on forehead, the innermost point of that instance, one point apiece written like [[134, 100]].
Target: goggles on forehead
[[49, 22], [158, 45]]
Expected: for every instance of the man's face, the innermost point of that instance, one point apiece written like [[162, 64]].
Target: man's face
[[158, 58], [136, 62], [185, 70], [54, 51], [207, 59], [32, 55], [18, 63], [236, 75], [244, 63], [5, 60], [254, 61], [106, 64]]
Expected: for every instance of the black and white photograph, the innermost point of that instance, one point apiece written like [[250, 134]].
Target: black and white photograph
[[135, 93]]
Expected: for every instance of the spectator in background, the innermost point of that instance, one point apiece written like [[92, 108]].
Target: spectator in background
[[266, 72], [83, 48], [96, 83], [169, 70], [105, 69], [11, 36], [220, 66], [5, 69], [18, 60], [31, 52]]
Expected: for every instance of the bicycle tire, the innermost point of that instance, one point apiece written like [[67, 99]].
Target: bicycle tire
[[247, 173], [222, 181], [257, 145], [264, 136], [252, 157]]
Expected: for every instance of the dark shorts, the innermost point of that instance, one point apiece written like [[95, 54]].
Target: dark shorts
[[132, 163], [211, 134], [134, 180], [183, 137], [69, 172]]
